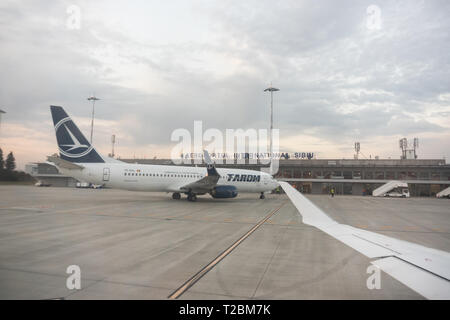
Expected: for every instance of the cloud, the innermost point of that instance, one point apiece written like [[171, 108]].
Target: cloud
[[158, 67]]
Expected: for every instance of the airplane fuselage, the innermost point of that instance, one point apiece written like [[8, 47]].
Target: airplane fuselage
[[141, 177]]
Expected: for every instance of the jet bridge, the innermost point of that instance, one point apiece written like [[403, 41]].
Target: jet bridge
[[392, 188]]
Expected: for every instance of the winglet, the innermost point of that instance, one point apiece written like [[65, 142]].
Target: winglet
[[210, 167], [207, 157]]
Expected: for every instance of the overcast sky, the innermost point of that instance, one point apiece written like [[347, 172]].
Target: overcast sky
[[158, 66]]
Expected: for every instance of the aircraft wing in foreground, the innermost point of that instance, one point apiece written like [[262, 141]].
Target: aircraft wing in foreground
[[424, 270]]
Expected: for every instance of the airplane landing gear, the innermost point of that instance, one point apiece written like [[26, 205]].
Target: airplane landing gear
[[262, 196], [176, 196], [192, 197]]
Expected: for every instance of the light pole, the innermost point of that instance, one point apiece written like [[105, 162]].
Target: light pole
[[93, 99], [271, 89]]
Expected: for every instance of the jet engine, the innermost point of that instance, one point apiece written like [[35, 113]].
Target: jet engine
[[224, 192]]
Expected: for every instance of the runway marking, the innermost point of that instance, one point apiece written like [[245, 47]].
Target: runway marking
[[196, 277]]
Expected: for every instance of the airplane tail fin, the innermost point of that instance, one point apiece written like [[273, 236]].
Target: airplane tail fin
[[72, 144]]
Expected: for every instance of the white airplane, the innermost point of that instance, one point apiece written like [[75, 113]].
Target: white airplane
[[79, 159], [424, 270]]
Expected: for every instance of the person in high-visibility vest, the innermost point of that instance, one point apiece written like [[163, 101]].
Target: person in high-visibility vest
[[332, 192]]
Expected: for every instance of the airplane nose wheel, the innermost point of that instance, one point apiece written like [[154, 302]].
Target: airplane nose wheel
[[262, 196], [176, 196]]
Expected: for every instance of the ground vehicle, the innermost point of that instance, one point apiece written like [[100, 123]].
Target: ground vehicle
[[83, 185], [42, 184], [398, 193], [393, 188]]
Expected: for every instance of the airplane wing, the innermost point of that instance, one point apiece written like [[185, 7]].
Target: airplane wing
[[203, 185], [206, 183], [424, 270]]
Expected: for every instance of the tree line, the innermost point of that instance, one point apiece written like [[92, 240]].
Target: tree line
[[8, 169]]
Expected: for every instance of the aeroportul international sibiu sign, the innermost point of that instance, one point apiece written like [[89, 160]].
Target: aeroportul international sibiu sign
[[251, 155]]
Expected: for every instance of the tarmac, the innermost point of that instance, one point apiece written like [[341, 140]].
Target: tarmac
[[137, 245]]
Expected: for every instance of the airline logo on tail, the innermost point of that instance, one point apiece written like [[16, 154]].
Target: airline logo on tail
[[74, 149], [72, 144]]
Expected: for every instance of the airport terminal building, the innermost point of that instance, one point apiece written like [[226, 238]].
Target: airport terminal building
[[318, 176], [361, 177]]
